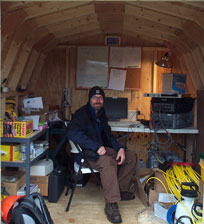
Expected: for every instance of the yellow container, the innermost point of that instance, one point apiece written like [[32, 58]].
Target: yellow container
[[16, 129], [10, 152], [202, 170]]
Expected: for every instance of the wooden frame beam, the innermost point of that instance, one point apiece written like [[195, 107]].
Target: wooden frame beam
[[29, 69], [175, 9]]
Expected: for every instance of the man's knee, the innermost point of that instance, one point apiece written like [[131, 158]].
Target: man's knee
[[131, 156], [107, 162]]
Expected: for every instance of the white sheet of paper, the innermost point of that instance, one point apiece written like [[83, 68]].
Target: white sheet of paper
[[117, 57], [117, 79], [163, 197], [35, 102], [160, 211], [35, 119], [133, 57]]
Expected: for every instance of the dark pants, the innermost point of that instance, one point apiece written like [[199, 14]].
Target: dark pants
[[115, 178]]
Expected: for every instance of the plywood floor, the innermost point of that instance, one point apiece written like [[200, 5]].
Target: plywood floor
[[87, 207]]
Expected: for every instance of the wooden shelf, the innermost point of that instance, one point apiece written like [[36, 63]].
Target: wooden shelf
[[14, 94]]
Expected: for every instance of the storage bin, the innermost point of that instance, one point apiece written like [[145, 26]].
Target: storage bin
[[10, 152], [16, 129], [173, 83], [202, 166], [13, 180]]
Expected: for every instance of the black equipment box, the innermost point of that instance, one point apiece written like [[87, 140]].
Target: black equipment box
[[56, 184], [172, 105], [173, 121]]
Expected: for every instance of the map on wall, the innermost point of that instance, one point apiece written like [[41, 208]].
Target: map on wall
[[92, 67]]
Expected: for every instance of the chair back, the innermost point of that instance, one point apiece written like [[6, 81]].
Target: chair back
[[74, 147]]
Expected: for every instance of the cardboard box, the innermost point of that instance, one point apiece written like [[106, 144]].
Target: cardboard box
[[160, 197], [10, 152], [157, 184], [153, 195], [173, 83], [13, 180], [140, 181], [18, 129], [42, 182]]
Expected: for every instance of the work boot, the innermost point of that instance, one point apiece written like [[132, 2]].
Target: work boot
[[112, 213], [127, 195]]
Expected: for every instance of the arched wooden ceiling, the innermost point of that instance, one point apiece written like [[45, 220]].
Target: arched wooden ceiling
[[30, 29]]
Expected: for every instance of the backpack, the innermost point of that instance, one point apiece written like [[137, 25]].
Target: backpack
[[31, 210]]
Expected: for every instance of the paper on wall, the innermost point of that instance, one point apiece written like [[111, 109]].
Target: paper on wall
[[117, 79], [117, 57], [35, 102]]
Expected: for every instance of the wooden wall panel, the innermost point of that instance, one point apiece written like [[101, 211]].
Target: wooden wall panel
[[199, 62], [51, 81], [200, 142], [22, 59], [135, 97], [193, 71], [9, 24], [34, 82], [9, 60], [29, 69]]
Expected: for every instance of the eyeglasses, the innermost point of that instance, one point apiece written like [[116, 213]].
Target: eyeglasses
[[97, 98]]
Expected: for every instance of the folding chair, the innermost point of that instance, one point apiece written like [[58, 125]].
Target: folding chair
[[79, 169]]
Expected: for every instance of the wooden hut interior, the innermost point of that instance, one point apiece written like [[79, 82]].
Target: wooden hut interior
[[40, 39]]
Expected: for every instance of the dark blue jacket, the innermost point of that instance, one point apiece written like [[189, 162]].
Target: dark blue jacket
[[84, 130]]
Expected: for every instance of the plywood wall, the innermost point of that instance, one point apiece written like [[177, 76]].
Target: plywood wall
[[51, 80], [59, 72]]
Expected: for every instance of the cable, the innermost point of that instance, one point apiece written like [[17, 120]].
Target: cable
[[174, 176], [157, 158], [162, 184], [183, 216]]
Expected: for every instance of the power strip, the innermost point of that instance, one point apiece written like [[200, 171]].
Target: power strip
[[163, 95]]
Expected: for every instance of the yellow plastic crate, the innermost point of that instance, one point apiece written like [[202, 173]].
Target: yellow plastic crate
[[16, 129], [10, 152], [202, 170]]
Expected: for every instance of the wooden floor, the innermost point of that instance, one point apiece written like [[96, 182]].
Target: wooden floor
[[87, 207]]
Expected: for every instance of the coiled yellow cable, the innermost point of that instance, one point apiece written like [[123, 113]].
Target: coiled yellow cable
[[174, 176], [162, 184]]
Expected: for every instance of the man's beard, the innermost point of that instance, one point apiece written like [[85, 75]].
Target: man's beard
[[97, 106]]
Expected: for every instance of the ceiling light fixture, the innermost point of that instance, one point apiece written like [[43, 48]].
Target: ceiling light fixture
[[165, 62]]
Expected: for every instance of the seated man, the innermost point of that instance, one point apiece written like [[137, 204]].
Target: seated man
[[89, 128]]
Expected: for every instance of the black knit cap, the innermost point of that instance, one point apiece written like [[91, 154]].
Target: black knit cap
[[95, 91]]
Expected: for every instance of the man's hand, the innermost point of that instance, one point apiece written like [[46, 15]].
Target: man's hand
[[101, 151], [121, 156]]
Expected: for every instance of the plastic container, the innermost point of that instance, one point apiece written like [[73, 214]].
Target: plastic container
[[23, 151], [140, 165], [202, 165], [184, 207]]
